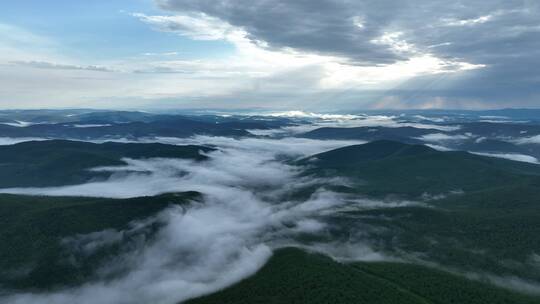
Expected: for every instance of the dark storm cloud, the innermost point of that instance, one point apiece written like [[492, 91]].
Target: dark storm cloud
[[479, 30], [320, 26], [502, 35], [508, 43]]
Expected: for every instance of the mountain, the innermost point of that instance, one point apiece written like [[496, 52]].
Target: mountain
[[295, 276], [114, 116], [179, 127], [124, 124], [61, 162], [465, 211], [431, 226], [512, 113], [482, 137], [392, 167], [511, 130], [403, 134], [375, 150], [32, 229]]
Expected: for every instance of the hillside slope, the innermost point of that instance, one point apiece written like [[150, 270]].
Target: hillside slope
[[389, 167], [61, 162], [32, 228], [294, 276]]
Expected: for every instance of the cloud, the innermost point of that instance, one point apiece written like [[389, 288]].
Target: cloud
[[302, 114], [511, 156], [508, 282], [350, 252], [303, 122], [18, 43], [441, 137], [162, 54], [356, 204], [18, 123], [90, 125], [384, 35], [260, 66], [59, 66], [321, 55], [528, 140], [209, 245], [199, 27], [269, 147], [355, 54], [247, 162], [434, 119], [342, 121], [245, 213], [5, 141], [437, 63], [468, 22], [302, 26], [188, 258], [439, 147], [161, 70]]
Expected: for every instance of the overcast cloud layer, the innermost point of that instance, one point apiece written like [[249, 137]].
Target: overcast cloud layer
[[316, 55], [501, 36]]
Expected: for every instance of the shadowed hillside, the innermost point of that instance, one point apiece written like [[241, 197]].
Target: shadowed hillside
[[60, 162]]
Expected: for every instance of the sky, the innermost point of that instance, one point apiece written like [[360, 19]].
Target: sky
[[316, 55]]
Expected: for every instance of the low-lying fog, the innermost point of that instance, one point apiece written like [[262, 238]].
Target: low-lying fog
[[245, 213], [217, 242]]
